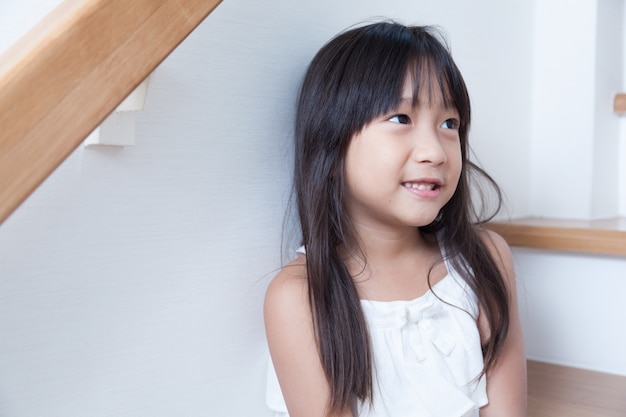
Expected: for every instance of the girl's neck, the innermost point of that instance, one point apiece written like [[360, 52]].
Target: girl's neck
[[389, 245], [394, 265]]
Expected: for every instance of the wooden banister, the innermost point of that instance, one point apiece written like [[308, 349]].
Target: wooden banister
[[605, 237], [70, 71]]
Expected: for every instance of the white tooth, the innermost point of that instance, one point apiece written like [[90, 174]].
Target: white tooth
[[421, 186]]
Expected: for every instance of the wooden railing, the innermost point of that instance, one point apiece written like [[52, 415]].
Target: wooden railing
[[605, 237], [65, 76]]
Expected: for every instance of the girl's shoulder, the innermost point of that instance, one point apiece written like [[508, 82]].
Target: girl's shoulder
[[500, 252], [502, 256], [287, 294], [290, 277]]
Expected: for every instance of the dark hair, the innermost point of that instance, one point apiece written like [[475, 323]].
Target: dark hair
[[357, 76]]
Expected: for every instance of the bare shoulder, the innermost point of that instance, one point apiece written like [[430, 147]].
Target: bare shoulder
[[286, 309], [494, 242], [500, 252], [288, 288]]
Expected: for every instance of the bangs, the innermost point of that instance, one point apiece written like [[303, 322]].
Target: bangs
[[384, 59], [426, 74]]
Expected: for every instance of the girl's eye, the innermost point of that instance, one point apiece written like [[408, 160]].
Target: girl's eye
[[400, 118], [450, 124]]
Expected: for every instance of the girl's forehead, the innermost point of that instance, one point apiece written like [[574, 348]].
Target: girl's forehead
[[427, 90]]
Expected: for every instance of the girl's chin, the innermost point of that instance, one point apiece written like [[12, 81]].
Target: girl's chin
[[424, 221]]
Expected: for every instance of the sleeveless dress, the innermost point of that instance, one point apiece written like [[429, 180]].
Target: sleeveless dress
[[427, 355]]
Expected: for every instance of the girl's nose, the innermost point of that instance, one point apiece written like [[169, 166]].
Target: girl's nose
[[428, 148]]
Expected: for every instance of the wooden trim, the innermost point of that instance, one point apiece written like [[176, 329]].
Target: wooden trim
[[70, 71], [619, 103], [559, 391], [593, 236]]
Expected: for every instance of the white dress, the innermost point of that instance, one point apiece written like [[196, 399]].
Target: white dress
[[427, 355]]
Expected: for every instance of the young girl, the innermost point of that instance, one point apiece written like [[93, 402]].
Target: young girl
[[400, 304]]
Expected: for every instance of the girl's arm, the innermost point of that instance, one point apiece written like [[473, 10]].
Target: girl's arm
[[291, 339], [506, 381]]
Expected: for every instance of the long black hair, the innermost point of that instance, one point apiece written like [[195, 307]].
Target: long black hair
[[357, 76]]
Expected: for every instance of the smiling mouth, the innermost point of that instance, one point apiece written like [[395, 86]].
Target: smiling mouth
[[421, 186]]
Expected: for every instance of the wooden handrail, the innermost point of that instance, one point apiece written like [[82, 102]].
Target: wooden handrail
[[65, 76], [605, 237], [619, 103]]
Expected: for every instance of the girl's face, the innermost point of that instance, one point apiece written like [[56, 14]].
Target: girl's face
[[404, 166]]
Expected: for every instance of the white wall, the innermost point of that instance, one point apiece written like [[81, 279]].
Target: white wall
[[18, 16], [563, 108], [577, 69], [609, 75], [573, 308]]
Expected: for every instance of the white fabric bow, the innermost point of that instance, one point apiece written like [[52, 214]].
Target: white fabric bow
[[427, 318]]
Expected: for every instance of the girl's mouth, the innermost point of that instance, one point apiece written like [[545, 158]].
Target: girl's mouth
[[422, 186], [428, 189]]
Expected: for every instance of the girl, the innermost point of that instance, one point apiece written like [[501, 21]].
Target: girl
[[400, 304]]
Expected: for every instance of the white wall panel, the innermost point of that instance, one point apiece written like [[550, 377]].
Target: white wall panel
[[573, 308]]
